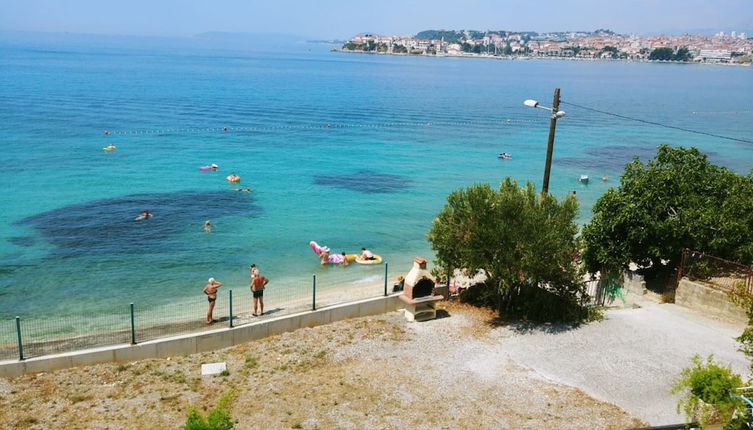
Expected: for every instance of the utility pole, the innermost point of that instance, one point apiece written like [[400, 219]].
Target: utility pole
[[550, 144]]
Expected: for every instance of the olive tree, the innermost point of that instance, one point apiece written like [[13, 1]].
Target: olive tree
[[524, 241]]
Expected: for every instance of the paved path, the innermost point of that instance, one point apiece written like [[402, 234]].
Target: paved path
[[633, 357]]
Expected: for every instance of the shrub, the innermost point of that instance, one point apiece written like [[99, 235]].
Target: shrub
[[525, 243], [707, 389], [217, 419]]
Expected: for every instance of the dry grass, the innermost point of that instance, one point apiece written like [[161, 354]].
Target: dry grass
[[375, 372]]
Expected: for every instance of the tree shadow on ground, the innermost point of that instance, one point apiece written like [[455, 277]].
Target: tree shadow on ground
[[658, 280], [530, 327]]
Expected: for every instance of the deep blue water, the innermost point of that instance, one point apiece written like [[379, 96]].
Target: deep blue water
[[345, 149]]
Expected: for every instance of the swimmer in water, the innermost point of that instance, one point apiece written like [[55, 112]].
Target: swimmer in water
[[144, 215], [207, 226], [244, 189]]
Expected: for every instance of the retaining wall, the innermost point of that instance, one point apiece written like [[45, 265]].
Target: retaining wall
[[204, 341], [709, 301]]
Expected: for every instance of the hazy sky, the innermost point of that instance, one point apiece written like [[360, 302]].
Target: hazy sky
[[342, 19]]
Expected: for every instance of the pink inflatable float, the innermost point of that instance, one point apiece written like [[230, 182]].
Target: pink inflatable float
[[324, 253]]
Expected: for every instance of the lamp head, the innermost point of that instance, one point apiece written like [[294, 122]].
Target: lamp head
[[531, 103], [560, 114]]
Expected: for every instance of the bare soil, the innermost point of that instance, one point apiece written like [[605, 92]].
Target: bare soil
[[377, 372]]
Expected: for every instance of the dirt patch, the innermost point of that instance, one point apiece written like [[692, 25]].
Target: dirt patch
[[374, 372]]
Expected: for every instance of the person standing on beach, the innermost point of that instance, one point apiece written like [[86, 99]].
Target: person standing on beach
[[258, 283], [210, 290]]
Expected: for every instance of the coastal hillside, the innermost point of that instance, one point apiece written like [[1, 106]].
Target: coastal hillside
[[601, 44]]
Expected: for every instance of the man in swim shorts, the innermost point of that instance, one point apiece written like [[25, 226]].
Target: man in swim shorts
[[210, 290], [258, 283]]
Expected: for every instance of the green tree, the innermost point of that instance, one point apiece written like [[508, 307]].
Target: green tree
[[682, 54], [677, 200], [663, 54], [507, 50], [525, 242]]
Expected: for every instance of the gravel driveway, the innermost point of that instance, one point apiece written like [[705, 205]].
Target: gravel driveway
[[632, 358]]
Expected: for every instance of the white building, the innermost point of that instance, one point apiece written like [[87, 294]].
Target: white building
[[714, 56]]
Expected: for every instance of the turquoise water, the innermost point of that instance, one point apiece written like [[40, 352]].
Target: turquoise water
[[405, 131]]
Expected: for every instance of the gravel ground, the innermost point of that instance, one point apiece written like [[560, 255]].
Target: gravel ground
[[460, 371], [632, 358]]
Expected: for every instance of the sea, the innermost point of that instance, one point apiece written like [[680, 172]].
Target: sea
[[348, 150]]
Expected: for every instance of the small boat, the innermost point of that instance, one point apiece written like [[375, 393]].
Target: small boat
[[583, 179]]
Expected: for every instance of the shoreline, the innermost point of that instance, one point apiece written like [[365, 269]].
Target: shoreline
[[526, 58], [158, 323]]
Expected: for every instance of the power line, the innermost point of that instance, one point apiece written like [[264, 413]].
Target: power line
[[657, 123]]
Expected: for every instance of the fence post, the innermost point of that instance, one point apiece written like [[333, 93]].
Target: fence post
[[313, 295], [230, 319], [20, 344], [133, 327], [385, 279]]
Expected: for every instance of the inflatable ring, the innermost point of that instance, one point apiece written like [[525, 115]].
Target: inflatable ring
[[377, 260], [233, 178]]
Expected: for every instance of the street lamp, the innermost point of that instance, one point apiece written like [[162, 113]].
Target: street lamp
[[556, 113]]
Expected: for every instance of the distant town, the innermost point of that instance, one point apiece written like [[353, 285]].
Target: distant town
[[720, 48]]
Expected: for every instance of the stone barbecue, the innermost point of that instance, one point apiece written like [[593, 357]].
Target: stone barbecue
[[418, 293], [418, 282]]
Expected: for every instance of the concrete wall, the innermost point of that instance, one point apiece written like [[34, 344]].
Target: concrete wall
[[709, 301], [204, 341], [634, 282]]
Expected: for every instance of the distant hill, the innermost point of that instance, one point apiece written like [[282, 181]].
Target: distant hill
[[450, 36], [457, 36]]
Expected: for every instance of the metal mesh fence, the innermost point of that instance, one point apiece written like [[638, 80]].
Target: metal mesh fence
[[8, 340], [716, 272], [53, 335], [43, 336]]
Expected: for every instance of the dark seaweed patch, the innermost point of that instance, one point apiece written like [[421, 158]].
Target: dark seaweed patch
[[107, 226], [22, 241], [609, 158], [365, 181], [612, 157]]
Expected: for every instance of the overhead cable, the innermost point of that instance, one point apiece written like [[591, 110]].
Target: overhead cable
[[658, 124]]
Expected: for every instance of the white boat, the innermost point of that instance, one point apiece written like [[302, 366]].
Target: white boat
[[583, 178]]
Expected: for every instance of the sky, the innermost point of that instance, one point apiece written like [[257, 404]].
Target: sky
[[339, 19]]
